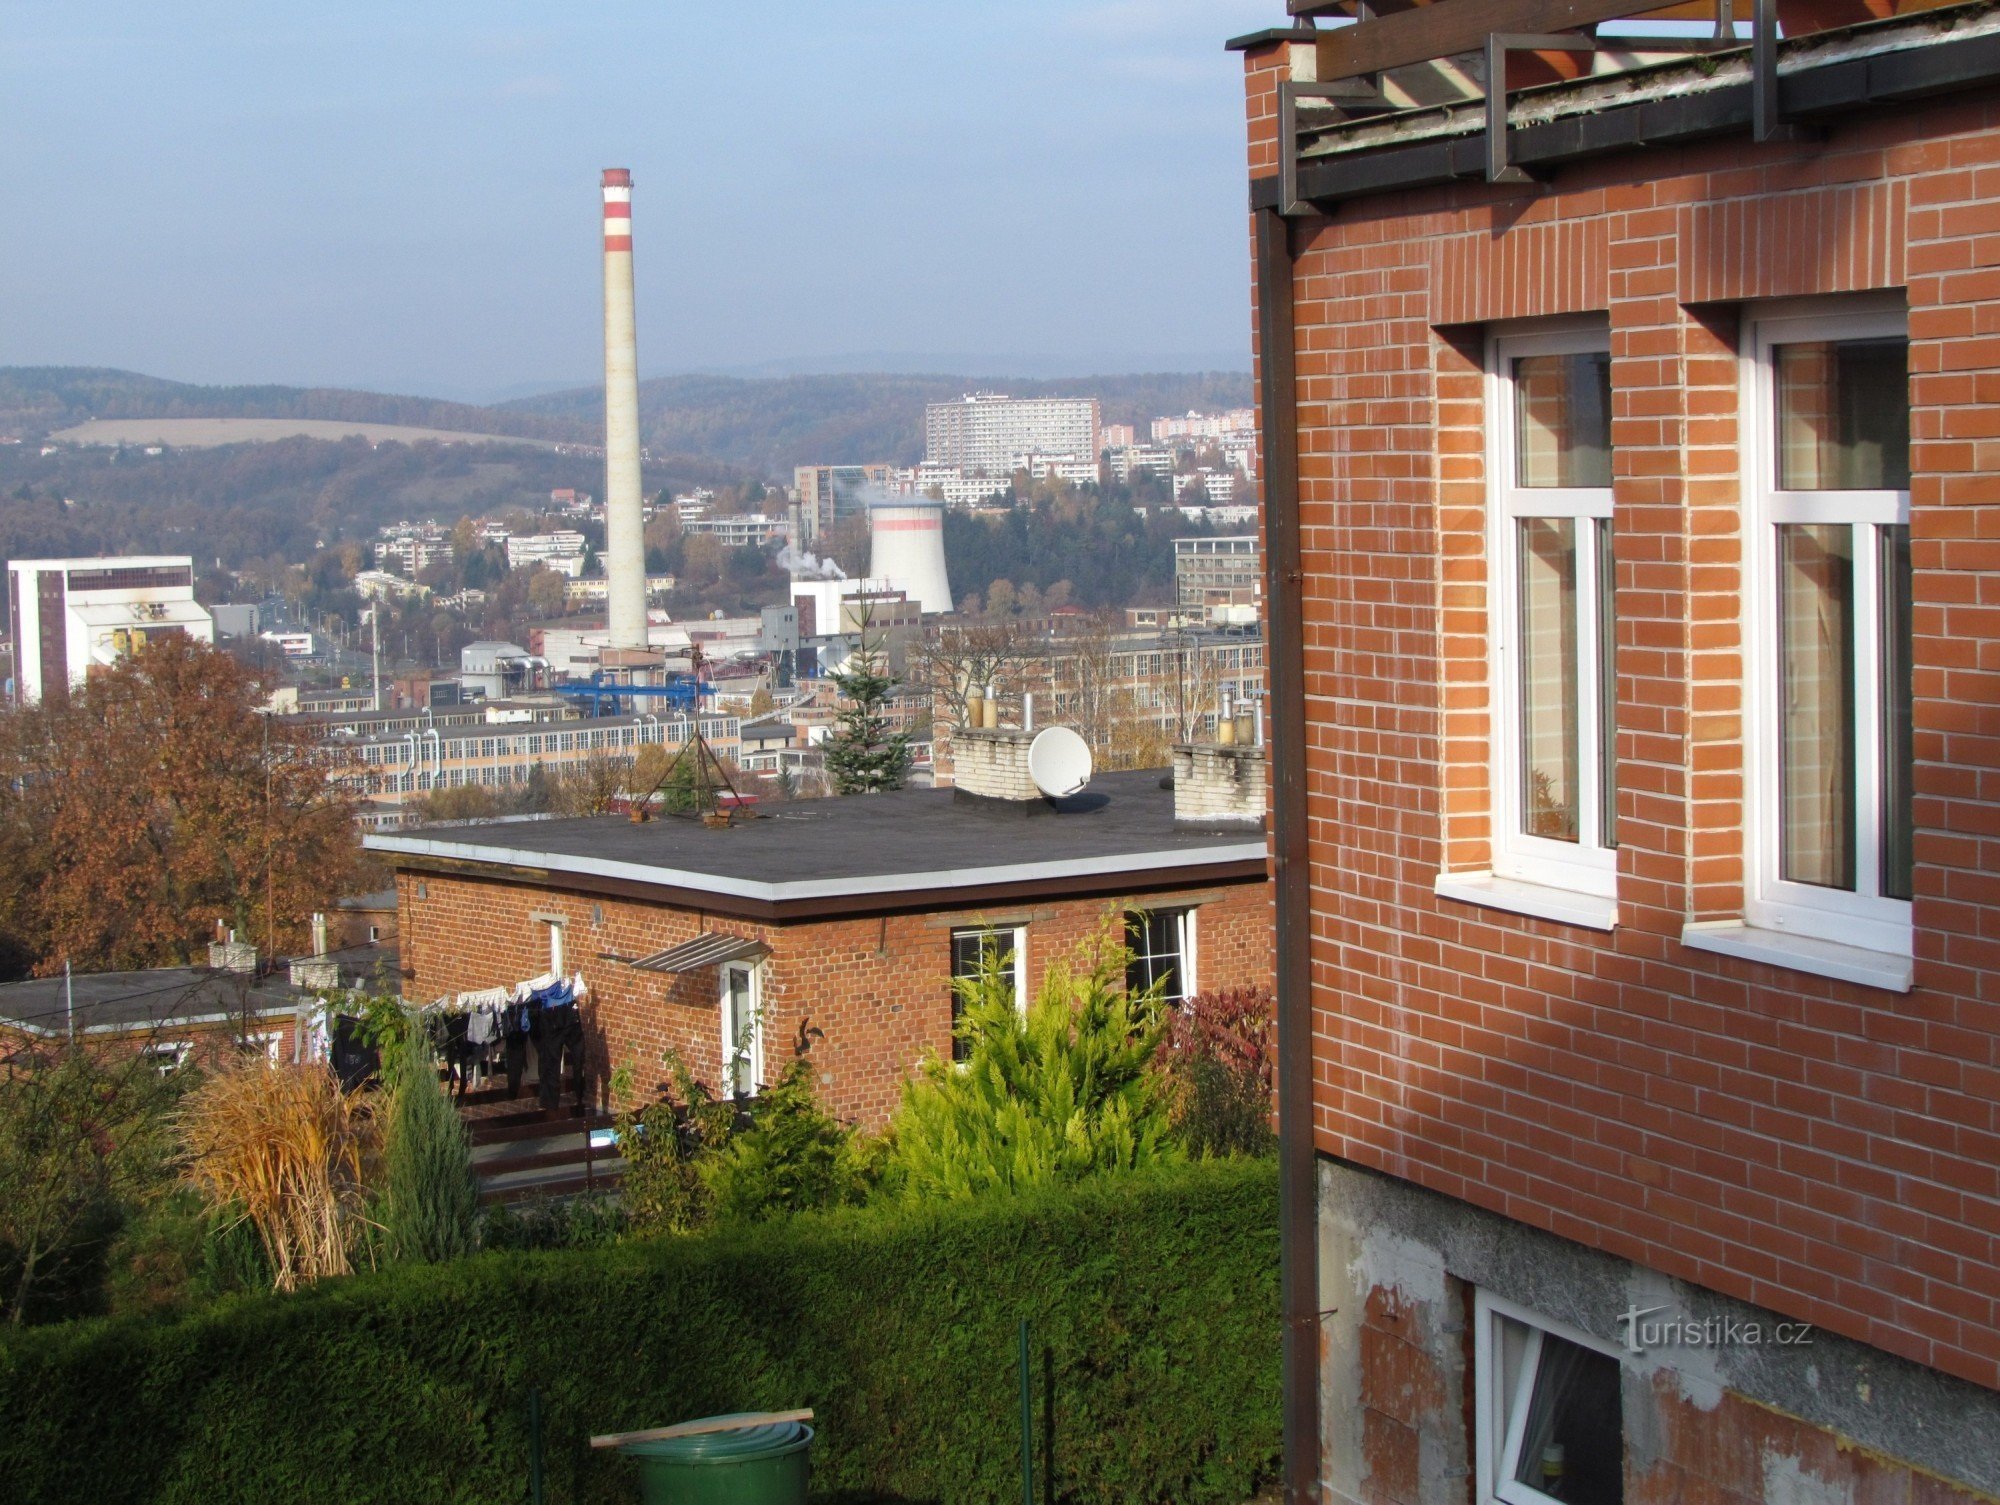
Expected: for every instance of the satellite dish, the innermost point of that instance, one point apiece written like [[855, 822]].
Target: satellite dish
[[1059, 762]]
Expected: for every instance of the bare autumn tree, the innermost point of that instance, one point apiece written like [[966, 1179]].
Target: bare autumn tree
[[589, 785], [958, 660], [153, 800]]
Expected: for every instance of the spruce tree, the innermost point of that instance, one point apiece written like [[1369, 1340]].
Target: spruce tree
[[863, 756], [432, 1196]]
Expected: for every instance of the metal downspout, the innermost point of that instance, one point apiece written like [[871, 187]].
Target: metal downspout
[[1298, 1199]]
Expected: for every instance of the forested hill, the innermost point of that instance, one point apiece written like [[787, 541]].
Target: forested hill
[[765, 425], [771, 424], [37, 400]]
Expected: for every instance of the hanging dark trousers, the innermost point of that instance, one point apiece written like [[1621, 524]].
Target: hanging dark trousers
[[515, 1026], [559, 1043]]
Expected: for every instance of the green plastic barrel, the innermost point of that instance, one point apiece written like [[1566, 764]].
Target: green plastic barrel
[[759, 1465]]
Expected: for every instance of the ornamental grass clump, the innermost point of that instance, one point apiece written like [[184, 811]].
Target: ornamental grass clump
[[283, 1149]]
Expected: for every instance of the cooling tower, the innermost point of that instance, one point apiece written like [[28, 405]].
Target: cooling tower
[[907, 534], [624, 520]]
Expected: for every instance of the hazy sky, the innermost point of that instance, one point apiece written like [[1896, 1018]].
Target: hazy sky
[[404, 196]]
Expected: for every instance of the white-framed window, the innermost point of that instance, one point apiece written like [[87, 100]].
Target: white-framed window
[[1549, 1427], [269, 1046], [971, 951], [742, 1028], [1827, 634], [1554, 684], [1162, 942], [165, 1056], [556, 947]]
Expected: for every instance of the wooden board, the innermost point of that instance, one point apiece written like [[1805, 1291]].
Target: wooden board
[[700, 1428]]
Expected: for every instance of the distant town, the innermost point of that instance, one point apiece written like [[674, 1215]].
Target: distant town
[[411, 731]]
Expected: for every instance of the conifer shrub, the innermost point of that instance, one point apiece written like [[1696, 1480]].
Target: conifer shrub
[[1059, 1095], [430, 1199]]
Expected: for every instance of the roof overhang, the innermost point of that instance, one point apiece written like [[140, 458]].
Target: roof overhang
[[1145, 872], [704, 951], [1821, 78]]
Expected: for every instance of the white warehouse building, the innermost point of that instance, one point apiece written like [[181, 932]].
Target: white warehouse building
[[70, 614]]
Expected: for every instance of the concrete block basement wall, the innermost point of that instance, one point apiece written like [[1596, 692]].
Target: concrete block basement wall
[[1830, 1422], [869, 995]]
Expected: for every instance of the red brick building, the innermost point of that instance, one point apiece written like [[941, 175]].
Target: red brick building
[[837, 925], [1637, 744]]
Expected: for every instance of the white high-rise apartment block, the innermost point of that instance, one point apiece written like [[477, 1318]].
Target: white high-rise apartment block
[[69, 614], [982, 432], [524, 549]]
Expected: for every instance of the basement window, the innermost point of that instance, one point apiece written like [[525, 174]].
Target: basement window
[[1550, 1424]]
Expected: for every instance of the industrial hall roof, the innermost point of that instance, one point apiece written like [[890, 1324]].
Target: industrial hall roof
[[915, 848]]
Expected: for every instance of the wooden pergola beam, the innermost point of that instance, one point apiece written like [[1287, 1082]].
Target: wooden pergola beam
[[1447, 27]]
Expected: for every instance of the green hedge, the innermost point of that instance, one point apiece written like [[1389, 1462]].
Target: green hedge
[[1157, 1295]]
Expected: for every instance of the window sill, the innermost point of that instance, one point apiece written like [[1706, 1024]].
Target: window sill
[[1802, 953], [1540, 900]]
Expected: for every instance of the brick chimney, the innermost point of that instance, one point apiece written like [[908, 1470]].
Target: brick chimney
[[1219, 786], [232, 955], [991, 763]]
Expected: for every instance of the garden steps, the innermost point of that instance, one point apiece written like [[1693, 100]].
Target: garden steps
[[522, 1152]]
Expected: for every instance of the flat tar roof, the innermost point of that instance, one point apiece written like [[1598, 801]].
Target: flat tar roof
[[807, 852], [114, 1002]]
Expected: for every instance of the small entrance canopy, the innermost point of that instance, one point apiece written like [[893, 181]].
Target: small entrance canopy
[[710, 950]]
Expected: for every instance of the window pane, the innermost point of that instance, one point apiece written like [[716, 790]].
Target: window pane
[[1562, 420], [740, 1074], [1549, 794], [1844, 416], [1573, 1443], [1155, 941], [1607, 690], [1816, 661], [1898, 750], [968, 952]]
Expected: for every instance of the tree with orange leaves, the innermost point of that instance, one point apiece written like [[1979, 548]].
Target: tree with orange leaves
[[155, 799]]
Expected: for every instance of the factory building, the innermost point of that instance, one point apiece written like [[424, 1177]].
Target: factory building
[[404, 764], [69, 615]]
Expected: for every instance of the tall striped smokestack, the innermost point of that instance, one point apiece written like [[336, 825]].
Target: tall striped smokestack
[[624, 522]]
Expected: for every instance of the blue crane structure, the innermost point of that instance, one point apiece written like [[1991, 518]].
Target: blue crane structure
[[598, 696]]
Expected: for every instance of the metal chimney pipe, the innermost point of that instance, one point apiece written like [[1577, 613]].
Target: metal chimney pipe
[[624, 521]]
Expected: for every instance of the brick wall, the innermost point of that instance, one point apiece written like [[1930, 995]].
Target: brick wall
[[1217, 785], [994, 764], [872, 995], [1821, 1148]]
